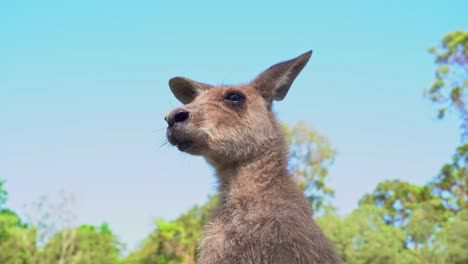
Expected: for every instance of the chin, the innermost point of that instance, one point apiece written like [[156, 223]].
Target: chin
[[188, 146], [193, 151]]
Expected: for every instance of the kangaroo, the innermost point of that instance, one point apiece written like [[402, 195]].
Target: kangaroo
[[262, 217]]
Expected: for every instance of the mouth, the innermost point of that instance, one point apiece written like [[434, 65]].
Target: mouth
[[180, 143], [183, 145]]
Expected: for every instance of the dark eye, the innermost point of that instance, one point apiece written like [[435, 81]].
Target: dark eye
[[235, 97]]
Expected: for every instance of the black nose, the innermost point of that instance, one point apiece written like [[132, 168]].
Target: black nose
[[177, 116]]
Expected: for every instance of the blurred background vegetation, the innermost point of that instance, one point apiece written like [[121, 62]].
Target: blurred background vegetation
[[398, 222]]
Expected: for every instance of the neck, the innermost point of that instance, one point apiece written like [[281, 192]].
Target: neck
[[246, 180]]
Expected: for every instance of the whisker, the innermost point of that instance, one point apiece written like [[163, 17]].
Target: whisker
[[164, 143]]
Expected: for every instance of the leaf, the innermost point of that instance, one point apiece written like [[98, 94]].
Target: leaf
[[441, 113]]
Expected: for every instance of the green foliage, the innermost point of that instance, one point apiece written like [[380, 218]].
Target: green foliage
[[310, 156], [338, 232], [363, 237], [17, 239], [451, 243], [431, 217], [450, 87], [3, 194], [175, 241], [452, 182], [424, 221], [85, 244], [398, 199], [373, 240]]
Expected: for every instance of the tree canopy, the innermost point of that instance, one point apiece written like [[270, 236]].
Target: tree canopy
[[449, 91]]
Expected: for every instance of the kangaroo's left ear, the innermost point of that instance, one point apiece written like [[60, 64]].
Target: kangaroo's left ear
[[186, 90], [274, 83]]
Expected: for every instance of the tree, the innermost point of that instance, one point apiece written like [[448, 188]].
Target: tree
[[169, 243], [339, 232], [90, 244], [397, 199], [452, 241], [373, 240], [52, 214], [450, 92], [450, 87], [175, 241], [3, 194], [310, 156], [17, 239], [413, 209], [451, 184], [363, 237]]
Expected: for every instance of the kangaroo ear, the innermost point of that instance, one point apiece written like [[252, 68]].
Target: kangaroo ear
[[275, 82], [185, 90]]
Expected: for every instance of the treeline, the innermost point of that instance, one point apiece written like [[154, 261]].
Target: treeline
[[399, 222]]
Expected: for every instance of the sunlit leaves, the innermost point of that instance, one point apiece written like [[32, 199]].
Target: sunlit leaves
[[175, 241], [310, 156], [397, 198], [449, 89], [17, 239], [85, 244], [451, 242], [451, 184], [363, 237], [3, 194]]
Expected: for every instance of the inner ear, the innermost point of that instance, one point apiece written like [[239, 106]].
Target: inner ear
[[274, 83], [186, 90]]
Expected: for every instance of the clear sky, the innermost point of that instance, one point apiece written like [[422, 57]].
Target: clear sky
[[83, 93]]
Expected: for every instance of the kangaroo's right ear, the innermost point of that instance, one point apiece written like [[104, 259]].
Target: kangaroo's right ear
[[185, 90], [274, 83]]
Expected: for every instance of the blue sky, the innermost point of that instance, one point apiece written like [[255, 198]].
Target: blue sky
[[83, 93]]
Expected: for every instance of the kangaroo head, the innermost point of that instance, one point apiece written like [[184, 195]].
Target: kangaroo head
[[227, 122]]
